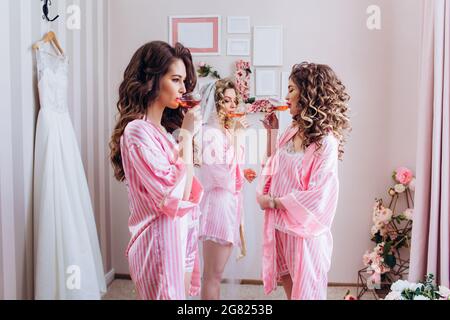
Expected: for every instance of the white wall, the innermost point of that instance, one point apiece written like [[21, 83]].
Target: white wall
[[20, 26], [380, 69]]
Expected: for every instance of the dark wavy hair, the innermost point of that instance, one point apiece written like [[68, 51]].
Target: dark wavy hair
[[323, 105], [141, 87]]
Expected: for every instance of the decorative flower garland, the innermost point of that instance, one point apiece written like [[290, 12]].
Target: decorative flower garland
[[263, 105], [242, 77]]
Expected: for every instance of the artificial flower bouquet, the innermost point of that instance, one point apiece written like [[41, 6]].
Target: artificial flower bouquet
[[427, 290], [391, 230], [204, 70]]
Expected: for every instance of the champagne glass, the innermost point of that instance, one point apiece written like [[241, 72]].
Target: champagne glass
[[240, 112], [279, 104], [190, 100]]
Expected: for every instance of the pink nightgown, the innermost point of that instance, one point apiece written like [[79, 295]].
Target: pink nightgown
[[162, 246], [298, 241], [222, 179]]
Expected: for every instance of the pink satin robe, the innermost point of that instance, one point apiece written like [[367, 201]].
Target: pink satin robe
[[222, 180], [309, 214], [155, 178]]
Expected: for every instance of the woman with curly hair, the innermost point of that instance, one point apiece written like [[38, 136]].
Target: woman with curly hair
[[299, 188], [157, 169], [222, 178]]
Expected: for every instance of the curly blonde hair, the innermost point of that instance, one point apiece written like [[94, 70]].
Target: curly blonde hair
[[222, 86], [322, 105]]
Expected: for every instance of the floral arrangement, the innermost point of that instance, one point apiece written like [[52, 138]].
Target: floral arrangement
[[427, 290], [391, 231], [262, 105], [265, 105], [204, 70], [405, 180], [242, 76]]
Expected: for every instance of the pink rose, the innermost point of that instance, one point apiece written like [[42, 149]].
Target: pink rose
[[350, 297], [202, 64], [403, 175]]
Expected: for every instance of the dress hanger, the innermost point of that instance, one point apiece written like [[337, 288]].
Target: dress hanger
[[49, 37]]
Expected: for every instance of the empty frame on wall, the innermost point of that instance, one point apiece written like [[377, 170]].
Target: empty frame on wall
[[284, 84], [201, 34], [238, 24], [268, 46], [238, 47], [266, 82]]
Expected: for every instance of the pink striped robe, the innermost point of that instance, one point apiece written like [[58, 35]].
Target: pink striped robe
[[222, 179], [155, 177], [310, 209]]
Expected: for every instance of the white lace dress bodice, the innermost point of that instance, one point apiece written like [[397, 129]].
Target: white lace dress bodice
[[52, 80]]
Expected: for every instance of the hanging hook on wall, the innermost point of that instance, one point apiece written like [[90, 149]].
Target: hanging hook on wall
[[45, 10]]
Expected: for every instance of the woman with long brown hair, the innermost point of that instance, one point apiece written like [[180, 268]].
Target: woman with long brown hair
[[151, 151], [299, 191]]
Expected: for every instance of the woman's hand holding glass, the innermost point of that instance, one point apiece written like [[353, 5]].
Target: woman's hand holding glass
[[270, 121], [250, 175], [241, 115], [193, 117]]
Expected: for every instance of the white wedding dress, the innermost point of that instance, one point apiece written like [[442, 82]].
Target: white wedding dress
[[68, 262]]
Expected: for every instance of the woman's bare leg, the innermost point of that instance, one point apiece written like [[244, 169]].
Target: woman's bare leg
[[187, 282], [287, 285], [215, 257]]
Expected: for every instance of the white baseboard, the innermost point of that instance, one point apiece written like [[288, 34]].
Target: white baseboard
[[109, 277]]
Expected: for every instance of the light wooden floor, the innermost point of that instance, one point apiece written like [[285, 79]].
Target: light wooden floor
[[124, 290]]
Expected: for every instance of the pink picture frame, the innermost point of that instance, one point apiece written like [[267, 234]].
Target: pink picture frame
[[201, 34]]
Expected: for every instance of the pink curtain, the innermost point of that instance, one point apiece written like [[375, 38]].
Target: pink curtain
[[430, 236]]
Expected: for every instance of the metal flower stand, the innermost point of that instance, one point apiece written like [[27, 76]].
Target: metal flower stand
[[402, 231]]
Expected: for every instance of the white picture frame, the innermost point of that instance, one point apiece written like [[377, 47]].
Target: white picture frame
[[238, 24], [266, 82], [285, 118], [201, 34], [268, 46], [284, 84], [238, 47]]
